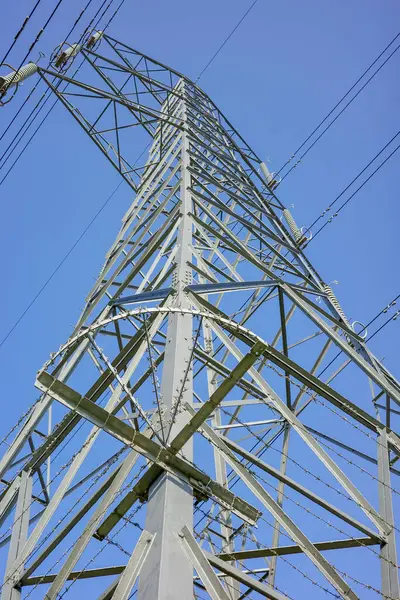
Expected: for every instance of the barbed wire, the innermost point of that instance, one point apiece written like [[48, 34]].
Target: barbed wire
[[308, 472], [313, 396], [305, 575], [329, 523], [62, 468], [22, 418], [258, 476], [155, 381], [37, 546], [276, 553], [69, 548], [109, 541]]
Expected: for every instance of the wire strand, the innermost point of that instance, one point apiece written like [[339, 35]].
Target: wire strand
[[356, 192], [69, 252], [351, 183], [214, 56], [60, 264], [54, 104], [20, 30], [338, 104]]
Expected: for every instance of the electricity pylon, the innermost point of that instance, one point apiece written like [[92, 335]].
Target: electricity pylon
[[213, 401]]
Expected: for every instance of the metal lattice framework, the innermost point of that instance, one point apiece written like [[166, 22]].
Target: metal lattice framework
[[214, 434]]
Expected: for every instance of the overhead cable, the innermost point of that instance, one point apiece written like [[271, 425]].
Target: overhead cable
[[47, 91], [39, 82], [337, 105], [356, 191], [35, 41], [226, 40], [60, 264], [20, 30], [328, 208], [69, 252], [49, 64], [114, 14]]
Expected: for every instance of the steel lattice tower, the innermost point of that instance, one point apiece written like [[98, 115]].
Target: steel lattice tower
[[201, 422]]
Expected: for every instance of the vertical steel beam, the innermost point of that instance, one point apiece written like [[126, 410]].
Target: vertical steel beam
[[8, 499], [18, 538], [389, 568], [285, 443], [281, 485], [220, 468], [284, 343], [167, 573]]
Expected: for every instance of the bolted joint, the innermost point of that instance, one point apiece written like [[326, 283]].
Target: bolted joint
[[258, 348]]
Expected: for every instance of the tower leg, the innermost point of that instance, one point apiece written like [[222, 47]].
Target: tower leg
[[167, 574], [389, 572], [18, 536]]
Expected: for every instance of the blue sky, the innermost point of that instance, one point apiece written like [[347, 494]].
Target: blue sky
[[276, 78], [280, 73]]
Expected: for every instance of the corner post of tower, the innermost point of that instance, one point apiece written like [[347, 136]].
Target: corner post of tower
[[167, 573], [389, 570]]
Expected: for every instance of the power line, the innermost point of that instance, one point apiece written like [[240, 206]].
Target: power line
[[340, 208], [31, 138], [20, 109], [381, 312], [60, 264], [343, 109], [354, 193], [114, 14], [9, 150], [46, 92], [392, 318], [97, 214], [69, 252], [49, 64], [35, 41], [78, 19], [357, 190], [351, 182], [20, 30], [226, 39]]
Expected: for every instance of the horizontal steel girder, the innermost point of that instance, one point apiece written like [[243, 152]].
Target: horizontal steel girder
[[295, 549], [82, 574], [182, 437], [163, 459], [257, 462], [311, 381]]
